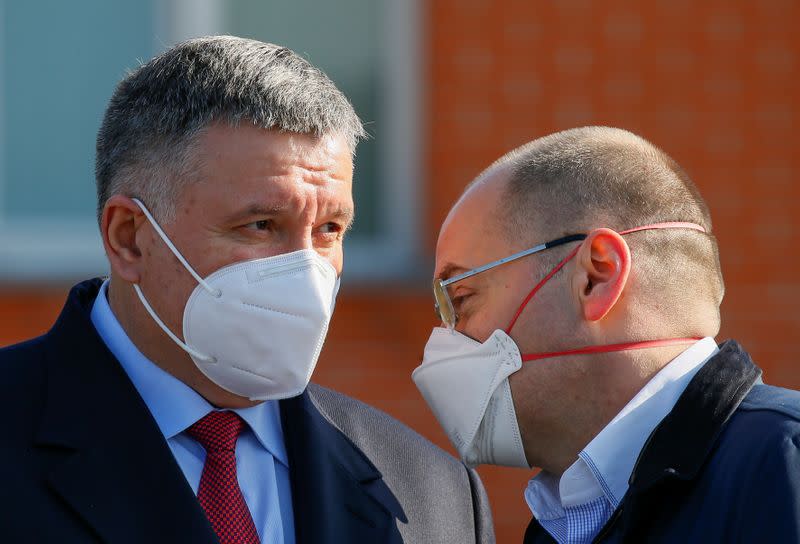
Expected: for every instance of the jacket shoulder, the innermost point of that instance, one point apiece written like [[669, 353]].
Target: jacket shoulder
[[443, 499], [759, 457], [21, 366], [22, 390], [761, 439], [766, 421], [22, 349], [363, 424], [775, 399]]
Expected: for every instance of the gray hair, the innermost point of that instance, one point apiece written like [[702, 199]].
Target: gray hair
[[145, 142], [576, 180]]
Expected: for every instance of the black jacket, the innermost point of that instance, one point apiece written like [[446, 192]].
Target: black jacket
[[723, 466], [82, 459]]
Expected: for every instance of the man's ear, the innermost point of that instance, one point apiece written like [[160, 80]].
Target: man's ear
[[119, 223], [603, 264]]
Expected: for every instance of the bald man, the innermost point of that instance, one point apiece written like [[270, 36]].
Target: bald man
[[578, 284]]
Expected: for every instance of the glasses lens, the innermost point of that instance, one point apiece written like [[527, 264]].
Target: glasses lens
[[443, 305]]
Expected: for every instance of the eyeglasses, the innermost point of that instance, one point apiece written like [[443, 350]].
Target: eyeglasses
[[441, 296]]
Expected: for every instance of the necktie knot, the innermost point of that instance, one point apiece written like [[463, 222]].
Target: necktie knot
[[218, 431]]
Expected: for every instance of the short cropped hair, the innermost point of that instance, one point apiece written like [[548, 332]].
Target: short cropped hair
[[144, 145], [585, 178]]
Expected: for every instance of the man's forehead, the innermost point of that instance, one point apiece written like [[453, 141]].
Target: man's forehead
[[254, 171], [473, 233], [220, 139]]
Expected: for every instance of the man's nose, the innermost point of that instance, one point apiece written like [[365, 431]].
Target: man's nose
[[299, 238]]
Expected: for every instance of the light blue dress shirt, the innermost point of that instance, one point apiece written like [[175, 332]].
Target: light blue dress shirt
[[261, 460]]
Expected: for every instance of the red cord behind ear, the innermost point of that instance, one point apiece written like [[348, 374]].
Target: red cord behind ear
[[610, 347]]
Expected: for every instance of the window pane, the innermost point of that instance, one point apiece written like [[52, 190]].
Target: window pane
[[60, 62]]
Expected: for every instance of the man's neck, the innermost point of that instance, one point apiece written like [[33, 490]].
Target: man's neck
[[607, 384]]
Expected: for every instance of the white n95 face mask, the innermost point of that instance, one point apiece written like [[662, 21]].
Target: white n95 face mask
[[466, 385], [256, 328]]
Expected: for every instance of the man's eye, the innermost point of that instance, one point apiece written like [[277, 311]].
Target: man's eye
[[330, 228], [458, 302], [263, 225]]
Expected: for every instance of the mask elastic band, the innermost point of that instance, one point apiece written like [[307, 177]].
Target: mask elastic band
[[628, 346], [211, 290], [560, 265], [214, 292], [169, 333]]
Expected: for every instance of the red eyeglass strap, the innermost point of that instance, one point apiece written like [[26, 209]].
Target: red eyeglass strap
[[560, 265], [539, 285], [667, 225]]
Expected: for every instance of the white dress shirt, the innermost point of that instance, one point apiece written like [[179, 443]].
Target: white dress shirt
[[574, 507]]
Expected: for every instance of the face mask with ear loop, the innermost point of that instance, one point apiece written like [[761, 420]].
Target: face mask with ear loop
[[256, 328], [465, 382]]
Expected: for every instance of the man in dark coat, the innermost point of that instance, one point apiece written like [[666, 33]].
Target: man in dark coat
[[169, 402]]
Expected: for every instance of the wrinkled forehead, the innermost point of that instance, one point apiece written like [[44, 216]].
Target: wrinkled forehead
[[474, 232], [252, 171]]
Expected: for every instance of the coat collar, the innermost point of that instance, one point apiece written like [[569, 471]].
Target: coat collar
[[682, 442], [678, 448], [112, 465]]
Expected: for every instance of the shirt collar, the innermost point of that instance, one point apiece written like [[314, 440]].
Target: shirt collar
[[174, 405], [612, 454], [265, 421], [605, 464]]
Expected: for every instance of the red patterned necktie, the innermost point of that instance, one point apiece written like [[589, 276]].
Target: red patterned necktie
[[219, 493]]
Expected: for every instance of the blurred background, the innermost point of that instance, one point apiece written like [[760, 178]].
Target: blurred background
[[445, 86]]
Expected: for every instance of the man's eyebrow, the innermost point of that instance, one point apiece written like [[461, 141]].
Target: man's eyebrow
[[254, 210], [450, 270], [345, 215]]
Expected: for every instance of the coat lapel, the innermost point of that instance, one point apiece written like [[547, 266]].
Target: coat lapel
[[106, 457], [337, 493]]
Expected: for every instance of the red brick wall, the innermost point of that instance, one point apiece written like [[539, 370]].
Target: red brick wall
[[714, 83]]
